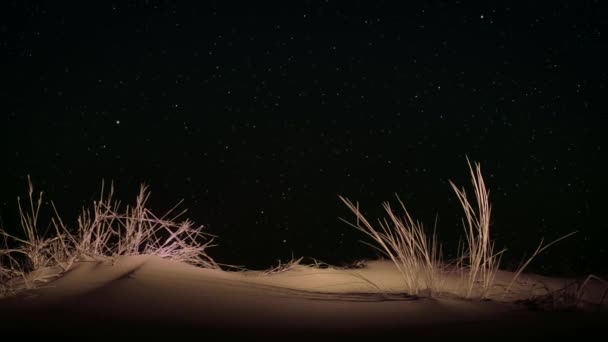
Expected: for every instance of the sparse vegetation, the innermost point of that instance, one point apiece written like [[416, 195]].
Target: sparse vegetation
[[106, 231], [404, 241], [283, 267], [570, 297], [482, 262], [418, 258]]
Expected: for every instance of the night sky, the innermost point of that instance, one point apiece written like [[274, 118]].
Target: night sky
[[258, 117]]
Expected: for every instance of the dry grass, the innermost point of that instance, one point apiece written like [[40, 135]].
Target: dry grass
[[107, 231], [283, 267], [404, 241], [538, 250], [418, 257], [480, 259], [104, 232], [572, 297]]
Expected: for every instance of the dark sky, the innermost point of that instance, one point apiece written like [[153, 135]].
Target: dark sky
[[259, 117]]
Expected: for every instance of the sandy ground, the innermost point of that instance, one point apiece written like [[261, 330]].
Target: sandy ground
[[157, 298]]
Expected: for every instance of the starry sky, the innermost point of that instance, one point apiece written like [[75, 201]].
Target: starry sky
[[259, 117]]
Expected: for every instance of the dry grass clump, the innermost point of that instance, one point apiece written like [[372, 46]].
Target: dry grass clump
[[404, 241], [418, 257], [106, 231]]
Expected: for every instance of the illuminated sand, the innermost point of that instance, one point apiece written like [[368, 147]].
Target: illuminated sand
[[144, 295]]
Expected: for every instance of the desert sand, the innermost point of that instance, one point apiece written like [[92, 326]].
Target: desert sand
[[159, 298]]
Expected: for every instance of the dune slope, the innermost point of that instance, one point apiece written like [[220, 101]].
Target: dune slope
[[150, 296]]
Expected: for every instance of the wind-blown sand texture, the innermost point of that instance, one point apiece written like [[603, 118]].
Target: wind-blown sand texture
[[155, 297]]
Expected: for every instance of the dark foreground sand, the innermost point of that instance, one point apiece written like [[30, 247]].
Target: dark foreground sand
[[74, 323], [161, 300]]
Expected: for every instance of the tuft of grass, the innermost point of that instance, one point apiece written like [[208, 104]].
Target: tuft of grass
[[404, 241], [104, 232], [418, 257], [108, 231], [20, 256], [482, 262]]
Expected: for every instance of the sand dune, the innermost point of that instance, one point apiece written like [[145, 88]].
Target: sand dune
[[144, 295]]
